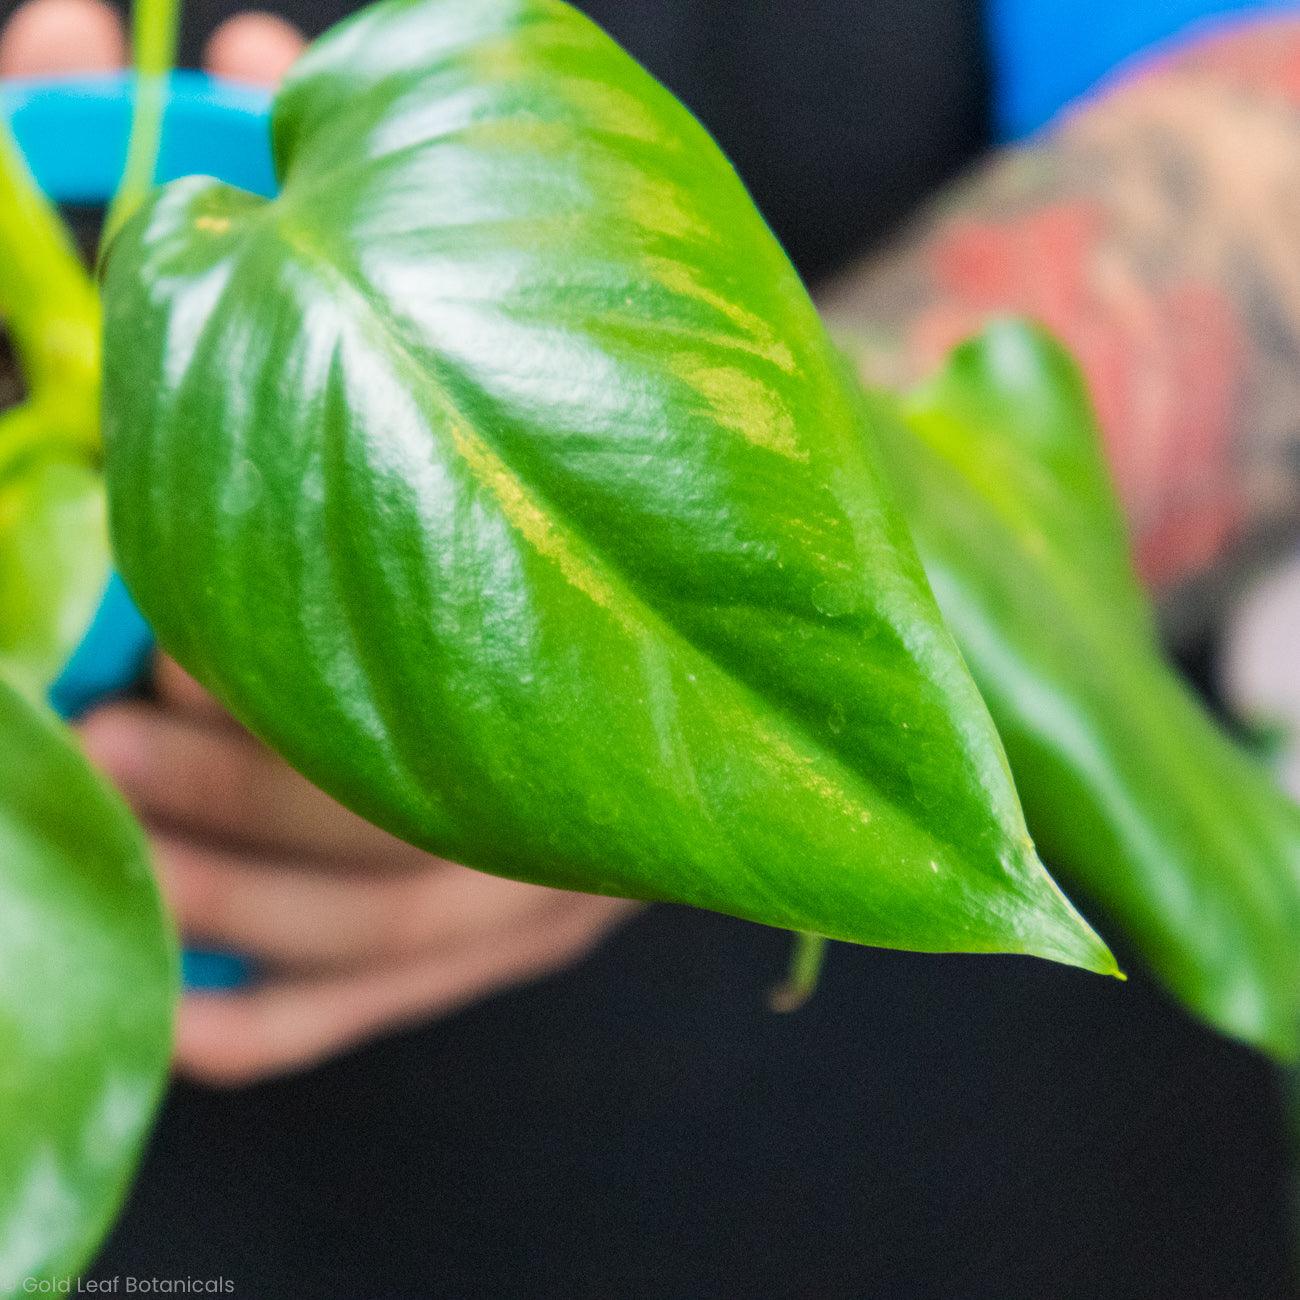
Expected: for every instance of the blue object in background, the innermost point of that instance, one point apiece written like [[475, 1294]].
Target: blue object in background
[[1049, 52], [215, 972], [74, 133], [113, 654]]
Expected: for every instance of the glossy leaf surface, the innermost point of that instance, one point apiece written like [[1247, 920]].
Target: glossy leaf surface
[[1132, 791], [500, 474], [88, 972]]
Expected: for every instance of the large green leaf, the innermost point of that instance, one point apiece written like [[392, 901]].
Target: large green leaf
[[87, 973], [501, 475], [1129, 786]]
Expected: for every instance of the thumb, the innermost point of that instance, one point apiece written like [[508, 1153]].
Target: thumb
[[257, 48]]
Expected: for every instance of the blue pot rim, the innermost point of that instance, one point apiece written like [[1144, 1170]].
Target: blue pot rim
[[74, 131]]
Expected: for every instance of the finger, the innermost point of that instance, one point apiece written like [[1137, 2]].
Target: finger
[[232, 1039], [253, 47], [220, 784], [52, 37], [175, 688], [298, 915]]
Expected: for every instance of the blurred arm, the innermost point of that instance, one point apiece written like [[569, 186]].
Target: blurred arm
[[1157, 231]]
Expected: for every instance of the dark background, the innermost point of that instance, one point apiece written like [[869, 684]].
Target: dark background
[[839, 114], [956, 1128], [928, 1128]]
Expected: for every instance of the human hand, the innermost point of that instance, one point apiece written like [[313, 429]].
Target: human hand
[[354, 931]]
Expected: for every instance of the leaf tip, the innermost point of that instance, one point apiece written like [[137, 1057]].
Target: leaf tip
[[1083, 947], [1062, 932]]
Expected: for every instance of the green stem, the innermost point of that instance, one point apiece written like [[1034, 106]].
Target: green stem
[[154, 27], [805, 969], [37, 428]]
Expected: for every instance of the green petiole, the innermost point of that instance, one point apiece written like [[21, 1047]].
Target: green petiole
[[154, 27], [800, 984]]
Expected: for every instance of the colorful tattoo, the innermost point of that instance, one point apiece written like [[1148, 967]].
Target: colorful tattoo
[[1157, 231]]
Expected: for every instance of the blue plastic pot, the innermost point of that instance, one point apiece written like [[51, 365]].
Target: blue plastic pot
[[74, 133]]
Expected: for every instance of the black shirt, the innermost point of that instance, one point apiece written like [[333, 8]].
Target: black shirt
[[839, 114]]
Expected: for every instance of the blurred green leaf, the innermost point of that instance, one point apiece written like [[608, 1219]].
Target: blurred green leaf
[[53, 529], [1131, 790], [88, 973], [500, 474]]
